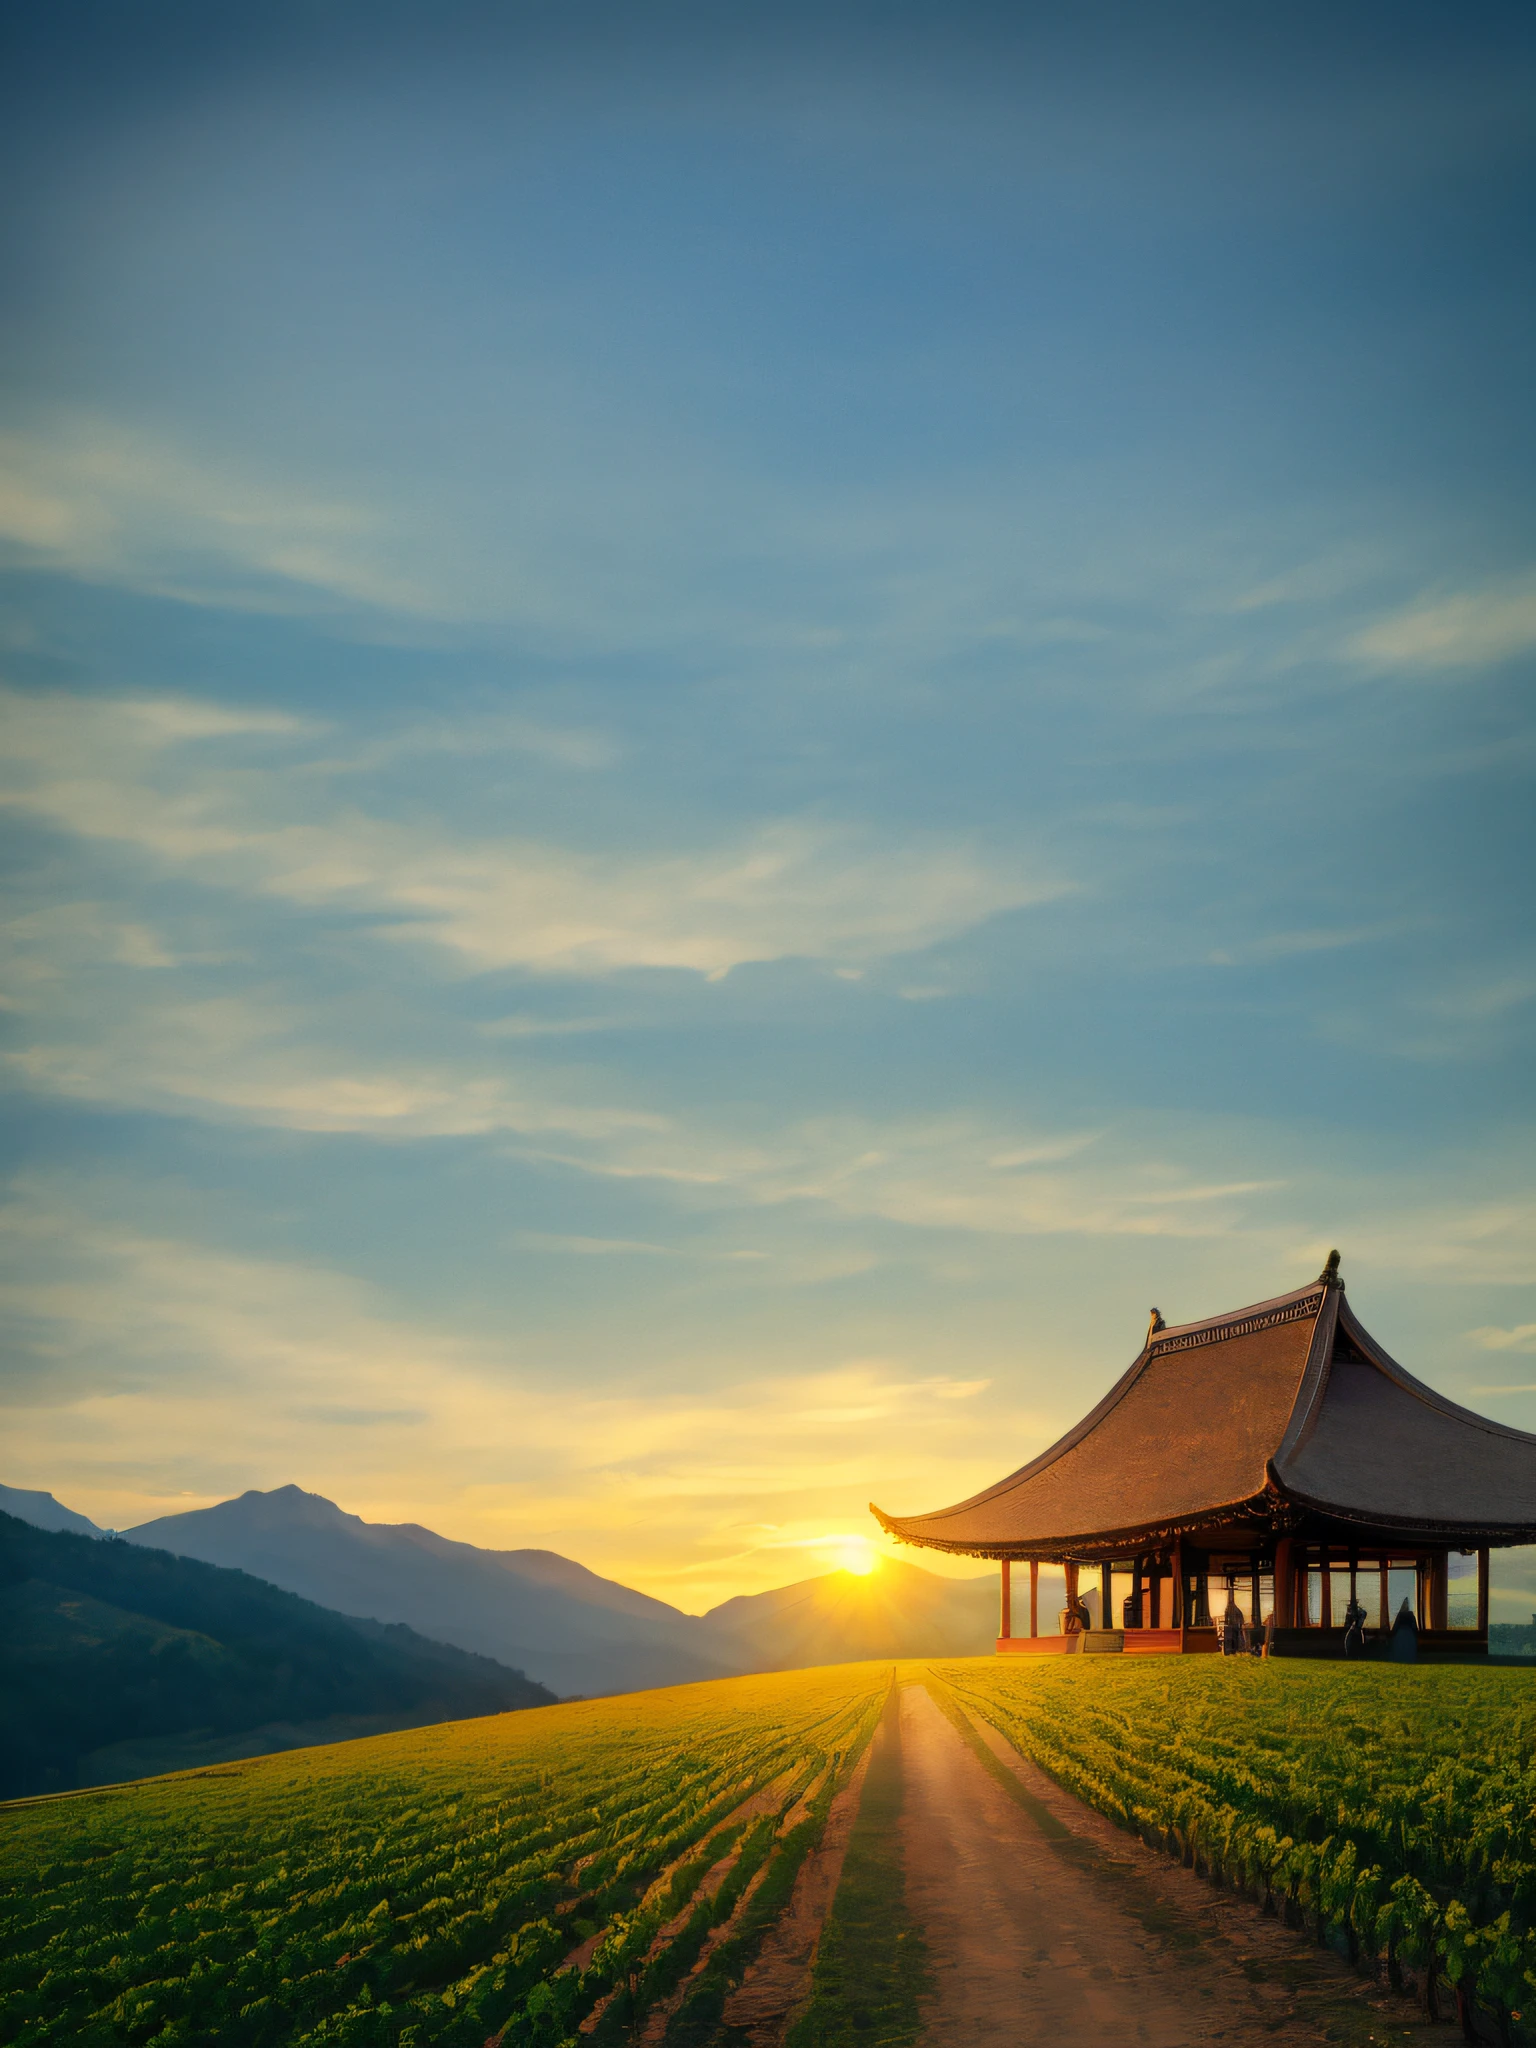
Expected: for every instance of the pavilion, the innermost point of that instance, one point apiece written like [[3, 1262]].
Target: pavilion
[[1275, 1454]]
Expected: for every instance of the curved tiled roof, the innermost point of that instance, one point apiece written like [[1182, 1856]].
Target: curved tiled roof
[[1288, 1399]]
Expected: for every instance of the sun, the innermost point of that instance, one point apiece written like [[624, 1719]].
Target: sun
[[856, 1554]]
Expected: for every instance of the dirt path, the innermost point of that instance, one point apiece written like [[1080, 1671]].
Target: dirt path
[[1046, 1925]]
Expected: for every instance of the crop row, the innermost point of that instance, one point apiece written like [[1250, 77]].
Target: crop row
[[1393, 1810], [425, 1887]]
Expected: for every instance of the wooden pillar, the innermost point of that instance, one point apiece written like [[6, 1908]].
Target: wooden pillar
[[1258, 1618], [1106, 1595], [1155, 1593], [1386, 1599], [1178, 1618], [1326, 1616], [1005, 1612], [1069, 1573], [1034, 1596], [1285, 1586], [1482, 1592]]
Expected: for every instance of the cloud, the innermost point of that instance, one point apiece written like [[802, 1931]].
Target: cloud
[[566, 746], [1521, 1338], [115, 504], [603, 1247], [1323, 939], [112, 770], [163, 1373], [240, 1059], [1469, 629]]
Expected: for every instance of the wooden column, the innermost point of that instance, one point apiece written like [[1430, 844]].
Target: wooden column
[[1155, 1593], [1106, 1595], [1326, 1617], [1285, 1584], [1069, 1573], [1386, 1599], [1482, 1592], [1034, 1596], [1005, 1612], [1178, 1618]]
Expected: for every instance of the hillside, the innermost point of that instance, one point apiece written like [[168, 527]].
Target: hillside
[[122, 1660], [897, 1610]]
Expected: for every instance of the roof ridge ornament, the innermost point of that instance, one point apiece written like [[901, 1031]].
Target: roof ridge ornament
[[1329, 1276], [1154, 1325]]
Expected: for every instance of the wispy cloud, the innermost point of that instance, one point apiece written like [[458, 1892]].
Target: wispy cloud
[[174, 1373], [116, 504], [1464, 629], [1491, 1338], [620, 1247], [1320, 939], [242, 1059], [110, 771]]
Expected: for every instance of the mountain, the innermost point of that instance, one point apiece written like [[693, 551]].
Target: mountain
[[563, 1624], [898, 1610], [43, 1511], [534, 1609], [122, 1660]]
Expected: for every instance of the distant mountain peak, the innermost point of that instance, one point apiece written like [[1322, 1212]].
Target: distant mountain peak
[[28, 1504]]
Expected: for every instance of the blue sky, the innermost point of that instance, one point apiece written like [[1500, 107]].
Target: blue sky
[[724, 726]]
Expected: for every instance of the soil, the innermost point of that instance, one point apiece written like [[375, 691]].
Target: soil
[[1046, 1924]]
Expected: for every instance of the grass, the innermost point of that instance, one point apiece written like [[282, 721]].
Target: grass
[[428, 1887]]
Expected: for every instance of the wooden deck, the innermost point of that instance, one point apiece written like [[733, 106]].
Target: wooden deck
[[1434, 1643], [1131, 1642]]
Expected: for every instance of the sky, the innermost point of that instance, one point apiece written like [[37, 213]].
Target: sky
[[725, 725]]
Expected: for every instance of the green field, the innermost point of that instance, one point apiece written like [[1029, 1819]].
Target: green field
[[426, 1887], [513, 1875]]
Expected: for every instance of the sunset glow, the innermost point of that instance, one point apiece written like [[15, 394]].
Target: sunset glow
[[856, 1554], [667, 849]]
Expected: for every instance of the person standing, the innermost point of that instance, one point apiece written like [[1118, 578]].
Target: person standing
[[1403, 1647], [1232, 1626], [1354, 1628]]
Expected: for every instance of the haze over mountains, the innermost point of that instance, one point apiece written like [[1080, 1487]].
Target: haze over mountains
[[532, 1609], [545, 1615], [562, 1624]]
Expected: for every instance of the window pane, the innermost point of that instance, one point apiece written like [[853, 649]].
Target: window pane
[[1402, 1584], [1462, 1591]]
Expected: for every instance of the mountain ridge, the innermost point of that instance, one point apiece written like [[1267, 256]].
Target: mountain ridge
[[565, 1625], [115, 1647]]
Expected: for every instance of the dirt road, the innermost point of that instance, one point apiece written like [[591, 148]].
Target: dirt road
[[1046, 1926]]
